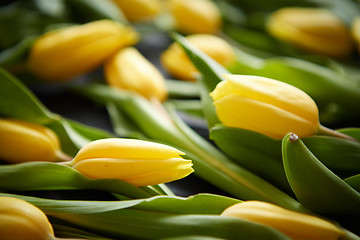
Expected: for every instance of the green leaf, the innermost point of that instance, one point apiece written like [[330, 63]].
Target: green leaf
[[91, 133], [182, 89], [254, 151], [208, 67], [338, 154], [16, 101], [54, 176], [126, 221], [354, 182], [315, 186]]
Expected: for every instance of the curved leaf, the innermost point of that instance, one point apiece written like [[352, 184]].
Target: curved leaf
[[254, 151], [127, 222], [315, 186], [17, 101], [335, 153], [54, 176], [354, 182]]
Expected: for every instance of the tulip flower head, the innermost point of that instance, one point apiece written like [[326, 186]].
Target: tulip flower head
[[62, 54], [129, 70], [137, 162], [295, 225], [139, 10], [265, 105], [24, 142], [177, 63], [20, 220], [195, 16], [317, 31]]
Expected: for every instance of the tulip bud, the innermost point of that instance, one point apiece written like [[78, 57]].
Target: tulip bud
[[20, 220], [264, 105], [317, 31], [129, 70], [296, 225], [24, 142], [356, 31], [199, 16], [139, 10], [177, 63], [137, 162], [62, 54]]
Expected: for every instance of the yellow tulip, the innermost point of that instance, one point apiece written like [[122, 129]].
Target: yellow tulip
[[266, 106], [139, 10], [297, 226], [176, 62], [317, 31], [356, 31], [137, 162], [20, 220], [195, 16], [24, 142], [62, 54], [129, 70]]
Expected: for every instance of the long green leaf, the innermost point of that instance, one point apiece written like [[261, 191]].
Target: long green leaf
[[314, 185], [133, 220], [54, 176], [17, 101]]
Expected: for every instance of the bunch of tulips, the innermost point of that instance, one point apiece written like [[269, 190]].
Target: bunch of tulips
[[268, 81]]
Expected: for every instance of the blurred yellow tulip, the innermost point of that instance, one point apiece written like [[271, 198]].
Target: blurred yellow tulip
[[129, 70], [317, 31], [62, 54], [264, 105], [20, 220], [139, 10], [195, 16], [356, 31], [297, 226], [22, 141], [137, 162], [177, 63]]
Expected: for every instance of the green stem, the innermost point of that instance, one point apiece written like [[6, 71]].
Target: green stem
[[329, 132]]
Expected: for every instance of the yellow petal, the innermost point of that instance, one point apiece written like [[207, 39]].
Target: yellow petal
[[176, 62], [139, 172], [129, 70], [65, 53], [243, 112], [139, 10], [315, 30], [23, 141], [200, 16], [119, 148], [21, 220], [296, 225], [276, 93]]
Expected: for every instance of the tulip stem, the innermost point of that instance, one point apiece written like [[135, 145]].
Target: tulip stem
[[330, 132]]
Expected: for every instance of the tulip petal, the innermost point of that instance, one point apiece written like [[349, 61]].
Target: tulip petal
[[137, 172], [129, 70], [242, 112], [118, 148], [276, 93], [66, 53], [298, 226]]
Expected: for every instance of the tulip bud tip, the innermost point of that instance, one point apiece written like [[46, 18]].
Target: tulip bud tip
[[293, 137]]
